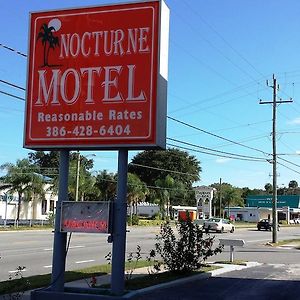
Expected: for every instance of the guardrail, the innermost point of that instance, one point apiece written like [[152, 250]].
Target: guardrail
[[27, 222]]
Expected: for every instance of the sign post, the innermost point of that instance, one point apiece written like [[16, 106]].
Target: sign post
[[119, 234], [60, 238]]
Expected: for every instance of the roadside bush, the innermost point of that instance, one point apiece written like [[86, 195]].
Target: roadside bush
[[132, 220], [51, 218], [188, 251], [135, 220]]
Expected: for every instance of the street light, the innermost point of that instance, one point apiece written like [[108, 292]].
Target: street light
[[77, 173]]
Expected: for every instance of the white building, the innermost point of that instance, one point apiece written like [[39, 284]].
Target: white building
[[145, 209], [204, 196], [37, 209]]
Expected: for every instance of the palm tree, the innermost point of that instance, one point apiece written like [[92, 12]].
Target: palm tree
[[293, 185], [107, 184], [35, 190], [20, 178], [269, 188], [136, 192], [49, 41], [164, 194]]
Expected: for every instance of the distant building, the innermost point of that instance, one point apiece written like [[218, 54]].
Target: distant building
[[145, 209], [204, 196], [37, 209], [260, 207], [176, 209]]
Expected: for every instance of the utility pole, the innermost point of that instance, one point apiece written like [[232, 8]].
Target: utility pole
[[77, 176], [275, 88], [220, 197]]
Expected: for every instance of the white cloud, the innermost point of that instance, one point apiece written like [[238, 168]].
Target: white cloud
[[296, 121], [223, 160]]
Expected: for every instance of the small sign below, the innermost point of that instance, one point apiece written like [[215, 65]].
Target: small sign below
[[90, 217]]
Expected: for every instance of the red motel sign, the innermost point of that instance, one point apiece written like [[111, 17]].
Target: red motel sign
[[97, 77]]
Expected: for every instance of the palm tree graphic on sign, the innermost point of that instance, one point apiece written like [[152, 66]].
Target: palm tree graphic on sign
[[49, 40]]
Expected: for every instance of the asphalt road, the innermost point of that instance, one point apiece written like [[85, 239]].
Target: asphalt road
[[264, 282], [33, 249]]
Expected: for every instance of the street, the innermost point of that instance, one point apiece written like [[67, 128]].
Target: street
[[264, 282], [33, 249]]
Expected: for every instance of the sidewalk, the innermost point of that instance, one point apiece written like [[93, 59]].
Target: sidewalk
[[105, 279]]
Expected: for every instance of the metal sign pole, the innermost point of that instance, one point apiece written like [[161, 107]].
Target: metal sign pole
[[119, 227], [60, 238]]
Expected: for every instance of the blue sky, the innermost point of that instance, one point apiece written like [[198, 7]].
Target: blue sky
[[221, 54]]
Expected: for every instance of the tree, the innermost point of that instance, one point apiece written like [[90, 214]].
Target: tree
[[231, 196], [47, 164], [165, 185], [151, 166], [157, 164], [136, 192], [107, 185], [49, 41], [21, 178], [293, 184], [269, 188], [86, 182]]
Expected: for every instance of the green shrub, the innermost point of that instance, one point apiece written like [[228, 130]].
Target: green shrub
[[188, 251], [51, 218], [135, 220]]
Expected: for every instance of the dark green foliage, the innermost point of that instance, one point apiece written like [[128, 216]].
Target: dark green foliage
[[132, 261], [133, 220], [187, 166], [188, 251]]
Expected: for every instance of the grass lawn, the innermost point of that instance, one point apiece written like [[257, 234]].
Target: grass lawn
[[294, 242], [137, 283], [37, 281]]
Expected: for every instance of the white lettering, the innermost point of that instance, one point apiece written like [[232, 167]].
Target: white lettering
[[83, 49], [108, 83], [44, 91], [90, 82], [75, 45], [143, 40], [63, 86], [131, 97]]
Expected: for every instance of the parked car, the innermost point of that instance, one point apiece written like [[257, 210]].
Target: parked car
[[266, 224], [218, 225]]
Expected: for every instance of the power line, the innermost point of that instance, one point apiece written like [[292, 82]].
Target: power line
[[289, 162], [160, 169], [11, 95], [222, 38], [234, 90], [215, 135], [213, 154], [214, 47], [218, 151], [13, 85], [13, 50], [288, 168]]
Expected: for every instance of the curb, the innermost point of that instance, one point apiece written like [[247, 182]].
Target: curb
[[224, 269]]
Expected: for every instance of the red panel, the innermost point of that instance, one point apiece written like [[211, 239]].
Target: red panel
[[92, 77]]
